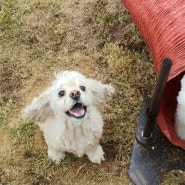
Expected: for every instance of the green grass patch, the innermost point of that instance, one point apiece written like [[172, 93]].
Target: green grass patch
[[8, 25], [6, 14], [23, 134]]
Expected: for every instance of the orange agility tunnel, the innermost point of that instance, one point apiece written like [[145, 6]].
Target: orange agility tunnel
[[162, 26]]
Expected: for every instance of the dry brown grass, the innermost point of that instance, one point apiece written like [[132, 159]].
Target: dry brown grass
[[97, 38]]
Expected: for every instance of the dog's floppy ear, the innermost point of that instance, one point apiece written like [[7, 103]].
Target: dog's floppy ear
[[39, 108], [102, 92]]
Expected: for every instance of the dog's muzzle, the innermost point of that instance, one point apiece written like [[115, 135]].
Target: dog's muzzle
[[78, 111]]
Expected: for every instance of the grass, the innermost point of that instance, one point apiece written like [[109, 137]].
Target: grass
[[97, 38], [23, 134]]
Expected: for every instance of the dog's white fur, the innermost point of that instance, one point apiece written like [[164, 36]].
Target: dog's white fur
[[180, 112], [62, 132]]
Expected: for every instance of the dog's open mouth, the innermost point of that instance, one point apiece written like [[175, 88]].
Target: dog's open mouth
[[77, 111]]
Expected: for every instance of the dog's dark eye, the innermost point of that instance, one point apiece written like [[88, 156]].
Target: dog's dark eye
[[82, 88], [61, 93]]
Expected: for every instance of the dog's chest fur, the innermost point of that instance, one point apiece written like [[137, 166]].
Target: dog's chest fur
[[75, 137]]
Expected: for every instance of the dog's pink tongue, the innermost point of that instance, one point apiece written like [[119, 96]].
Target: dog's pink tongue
[[77, 112]]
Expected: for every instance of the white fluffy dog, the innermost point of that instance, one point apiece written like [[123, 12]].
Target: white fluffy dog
[[67, 114], [180, 112]]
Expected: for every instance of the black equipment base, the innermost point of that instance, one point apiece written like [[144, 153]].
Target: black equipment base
[[150, 162]]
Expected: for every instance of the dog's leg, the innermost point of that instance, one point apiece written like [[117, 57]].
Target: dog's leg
[[55, 155], [95, 154]]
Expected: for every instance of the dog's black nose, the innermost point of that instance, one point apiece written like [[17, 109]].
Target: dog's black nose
[[75, 94]]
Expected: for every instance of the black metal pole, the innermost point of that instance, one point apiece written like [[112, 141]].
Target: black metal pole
[[156, 98]]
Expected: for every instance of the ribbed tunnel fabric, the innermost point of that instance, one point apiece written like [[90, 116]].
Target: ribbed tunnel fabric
[[162, 26]]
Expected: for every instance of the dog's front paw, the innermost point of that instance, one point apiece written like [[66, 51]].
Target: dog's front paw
[[56, 156], [95, 154], [97, 158], [109, 92]]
